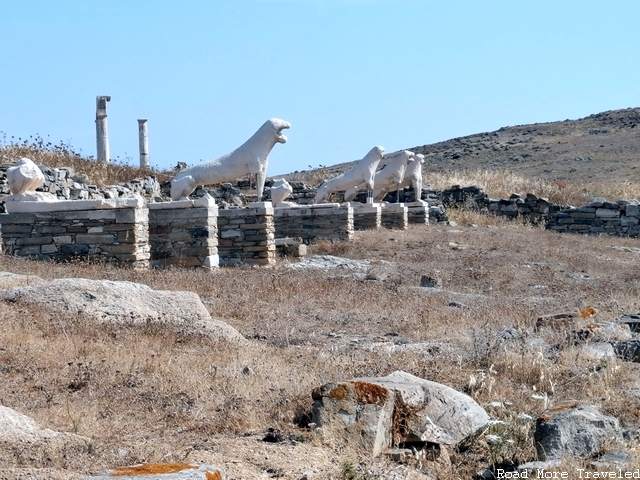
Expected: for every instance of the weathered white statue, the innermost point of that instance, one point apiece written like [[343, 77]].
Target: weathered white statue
[[391, 174], [280, 190], [412, 176], [24, 176], [360, 176], [250, 158]]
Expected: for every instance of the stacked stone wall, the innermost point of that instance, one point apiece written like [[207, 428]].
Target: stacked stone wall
[[329, 221], [118, 235], [247, 235]]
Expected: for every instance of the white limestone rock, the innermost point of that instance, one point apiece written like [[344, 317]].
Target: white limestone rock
[[164, 471], [22, 438], [124, 303], [10, 280]]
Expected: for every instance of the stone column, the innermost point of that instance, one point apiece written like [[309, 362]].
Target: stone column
[[102, 135], [143, 143]]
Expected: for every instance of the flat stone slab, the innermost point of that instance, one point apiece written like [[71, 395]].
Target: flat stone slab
[[24, 206], [163, 471]]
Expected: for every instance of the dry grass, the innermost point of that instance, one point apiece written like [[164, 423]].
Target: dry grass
[[149, 394]]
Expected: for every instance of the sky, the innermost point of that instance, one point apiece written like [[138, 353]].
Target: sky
[[347, 74]]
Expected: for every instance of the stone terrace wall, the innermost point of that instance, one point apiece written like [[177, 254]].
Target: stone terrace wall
[[329, 221], [95, 231], [246, 235]]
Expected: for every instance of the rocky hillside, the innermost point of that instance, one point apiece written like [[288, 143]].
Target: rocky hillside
[[581, 151]]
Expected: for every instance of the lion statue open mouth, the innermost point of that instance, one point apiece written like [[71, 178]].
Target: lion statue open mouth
[[251, 158]]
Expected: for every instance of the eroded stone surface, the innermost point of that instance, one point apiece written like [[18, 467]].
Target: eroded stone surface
[[24, 176]]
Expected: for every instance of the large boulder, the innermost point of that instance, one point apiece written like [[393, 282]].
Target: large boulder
[[575, 431], [21, 438], [395, 410], [124, 303]]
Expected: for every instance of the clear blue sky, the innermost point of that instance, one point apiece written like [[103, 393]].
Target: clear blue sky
[[347, 74]]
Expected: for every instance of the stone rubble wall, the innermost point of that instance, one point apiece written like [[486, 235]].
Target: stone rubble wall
[[328, 221], [599, 216], [119, 235], [63, 183], [533, 208], [183, 234], [247, 235]]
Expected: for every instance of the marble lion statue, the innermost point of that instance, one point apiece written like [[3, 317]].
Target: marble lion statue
[[361, 176], [24, 176], [280, 190], [412, 176], [391, 174], [250, 158]]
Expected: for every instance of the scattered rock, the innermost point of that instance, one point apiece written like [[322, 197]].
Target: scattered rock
[[629, 350], [604, 332], [429, 282], [613, 459], [575, 431], [381, 412]]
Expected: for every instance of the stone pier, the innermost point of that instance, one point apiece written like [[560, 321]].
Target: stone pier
[[366, 216], [246, 235], [418, 212], [184, 233], [394, 216]]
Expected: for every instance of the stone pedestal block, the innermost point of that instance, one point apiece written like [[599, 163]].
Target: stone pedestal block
[[394, 216], [184, 233]]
